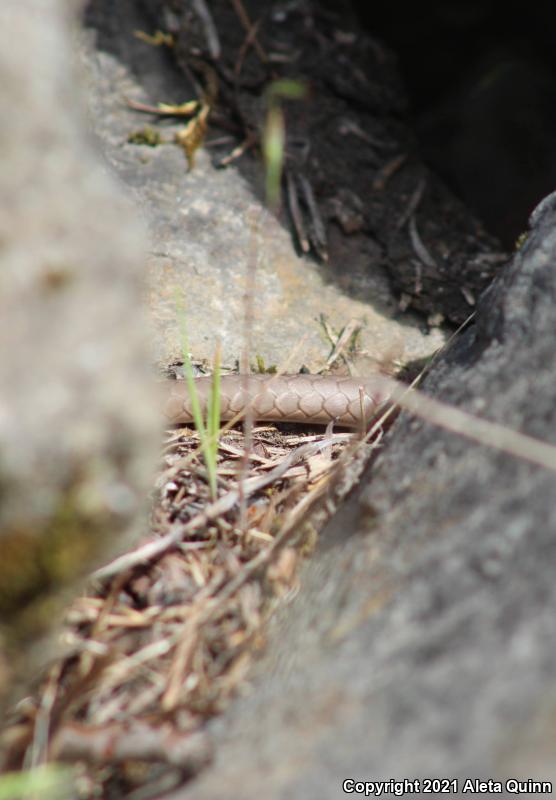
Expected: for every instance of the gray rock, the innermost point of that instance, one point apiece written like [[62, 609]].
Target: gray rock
[[209, 226], [77, 418], [423, 643]]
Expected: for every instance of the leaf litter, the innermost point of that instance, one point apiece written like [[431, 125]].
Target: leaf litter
[[166, 635]]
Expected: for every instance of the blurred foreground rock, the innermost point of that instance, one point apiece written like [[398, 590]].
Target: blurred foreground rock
[[75, 453], [423, 643]]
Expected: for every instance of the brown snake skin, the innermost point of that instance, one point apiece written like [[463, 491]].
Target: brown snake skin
[[309, 399]]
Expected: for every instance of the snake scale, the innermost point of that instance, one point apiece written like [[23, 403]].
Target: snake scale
[[308, 399]]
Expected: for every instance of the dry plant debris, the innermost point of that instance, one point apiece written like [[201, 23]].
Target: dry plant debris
[[169, 634]]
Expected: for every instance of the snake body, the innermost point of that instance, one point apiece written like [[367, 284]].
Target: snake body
[[308, 399]]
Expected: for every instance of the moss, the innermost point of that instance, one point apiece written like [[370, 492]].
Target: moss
[[38, 564], [145, 136]]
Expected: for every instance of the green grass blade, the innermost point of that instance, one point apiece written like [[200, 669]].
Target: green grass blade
[[50, 782], [208, 431], [213, 420]]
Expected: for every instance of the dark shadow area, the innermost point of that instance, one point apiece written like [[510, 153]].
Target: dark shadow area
[[154, 68], [481, 81], [395, 236]]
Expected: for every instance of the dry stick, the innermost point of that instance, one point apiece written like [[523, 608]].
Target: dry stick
[[183, 656], [317, 224], [454, 420], [185, 110], [41, 731], [250, 37], [238, 151], [291, 527], [295, 211], [419, 246], [413, 205], [342, 341], [248, 26], [362, 431], [479, 430], [386, 172], [211, 34], [139, 741], [248, 314], [221, 506]]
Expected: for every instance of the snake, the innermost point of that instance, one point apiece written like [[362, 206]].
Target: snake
[[306, 399]]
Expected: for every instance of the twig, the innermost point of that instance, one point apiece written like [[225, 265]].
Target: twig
[[248, 25], [317, 225], [155, 549], [162, 110], [211, 34], [342, 342], [418, 245], [468, 295], [385, 173], [250, 38], [248, 316], [41, 730], [249, 142], [183, 656], [479, 430], [295, 211], [413, 204], [116, 742], [296, 516]]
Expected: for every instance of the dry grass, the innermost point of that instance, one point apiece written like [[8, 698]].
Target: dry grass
[[169, 635]]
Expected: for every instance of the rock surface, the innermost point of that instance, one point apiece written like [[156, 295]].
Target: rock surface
[[424, 641], [208, 225], [76, 457]]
